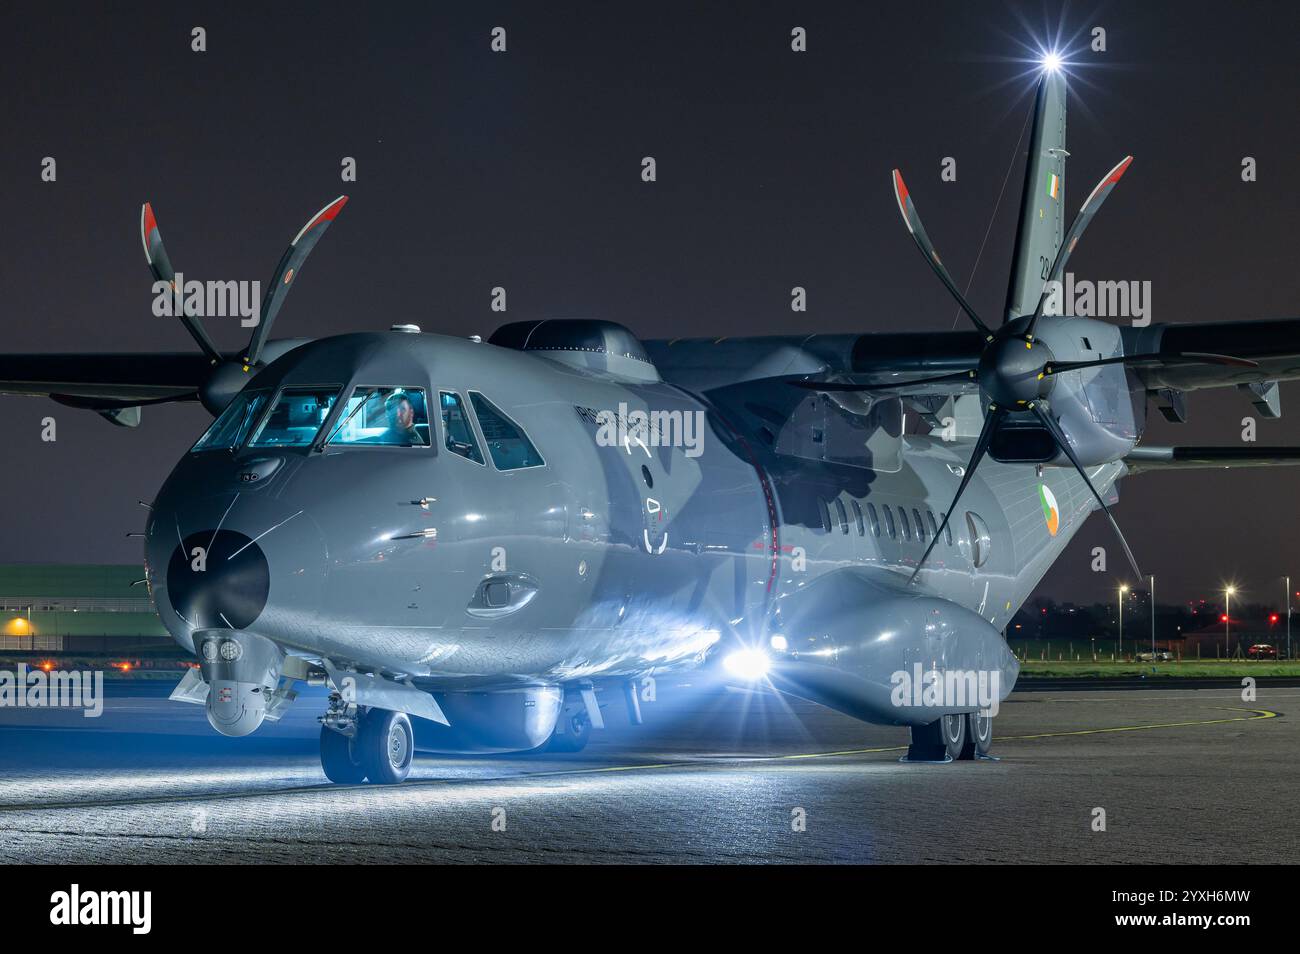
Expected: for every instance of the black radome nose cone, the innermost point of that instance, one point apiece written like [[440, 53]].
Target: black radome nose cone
[[224, 584]]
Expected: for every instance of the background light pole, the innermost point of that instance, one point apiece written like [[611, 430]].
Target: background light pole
[[1153, 616], [1288, 617], [1227, 617], [1122, 590]]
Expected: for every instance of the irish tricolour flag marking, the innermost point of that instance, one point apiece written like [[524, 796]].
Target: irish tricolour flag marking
[[1050, 512], [1053, 185]]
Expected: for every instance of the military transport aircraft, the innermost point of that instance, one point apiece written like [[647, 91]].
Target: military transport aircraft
[[484, 535]]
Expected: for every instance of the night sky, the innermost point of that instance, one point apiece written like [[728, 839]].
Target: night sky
[[522, 170]]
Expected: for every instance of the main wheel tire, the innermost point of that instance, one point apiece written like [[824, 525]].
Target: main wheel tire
[[387, 744], [340, 757], [953, 731], [576, 734], [979, 735]]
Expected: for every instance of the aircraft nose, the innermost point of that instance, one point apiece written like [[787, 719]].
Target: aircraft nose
[[218, 580]]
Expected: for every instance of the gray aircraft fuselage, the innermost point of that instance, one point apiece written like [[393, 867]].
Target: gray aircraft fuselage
[[614, 558]]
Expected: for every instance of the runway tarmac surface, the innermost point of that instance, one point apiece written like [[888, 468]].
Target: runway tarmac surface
[[714, 775]]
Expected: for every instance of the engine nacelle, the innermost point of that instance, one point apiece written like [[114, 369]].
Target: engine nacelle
[[1100, 409]]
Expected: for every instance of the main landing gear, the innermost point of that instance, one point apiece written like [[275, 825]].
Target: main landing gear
[[359, 743], [572, 731], [960, 736]]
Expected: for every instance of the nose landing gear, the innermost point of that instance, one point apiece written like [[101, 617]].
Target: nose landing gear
[[357, 743]]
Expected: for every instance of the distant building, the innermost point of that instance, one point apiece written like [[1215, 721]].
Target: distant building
[[82, 608]]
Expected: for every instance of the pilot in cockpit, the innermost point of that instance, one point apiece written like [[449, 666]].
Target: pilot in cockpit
[[401, 430]]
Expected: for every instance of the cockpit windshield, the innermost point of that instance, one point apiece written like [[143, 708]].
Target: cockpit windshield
[[392, 416], [296, 417], [231, 428]]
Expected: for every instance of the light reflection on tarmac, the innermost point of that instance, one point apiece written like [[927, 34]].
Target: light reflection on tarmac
[[713, 776]]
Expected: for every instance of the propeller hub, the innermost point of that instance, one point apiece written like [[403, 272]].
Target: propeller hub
[[1010, 371], [226, 380]]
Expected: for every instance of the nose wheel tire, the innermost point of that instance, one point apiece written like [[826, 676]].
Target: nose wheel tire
[[387, 745], [940, 741], [576, 734], [979, 736], [340, 758]]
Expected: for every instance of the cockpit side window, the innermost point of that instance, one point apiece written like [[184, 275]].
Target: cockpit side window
[[506, 441], [231, 428], [458, 433], [295, 418], [386, 416]]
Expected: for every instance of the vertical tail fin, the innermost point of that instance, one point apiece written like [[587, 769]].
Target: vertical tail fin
[[1042, 224]]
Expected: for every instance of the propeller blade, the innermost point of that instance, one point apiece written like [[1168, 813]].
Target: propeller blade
[[156, 255], [1151, 360], [1084, 216], [1040, 408], [991, 421], [913, 222], [290, 264], [965, 376]]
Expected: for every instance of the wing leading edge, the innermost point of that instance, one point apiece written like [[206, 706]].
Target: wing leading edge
[[102, 381]]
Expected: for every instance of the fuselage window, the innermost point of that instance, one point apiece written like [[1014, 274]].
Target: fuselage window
[[231, 428], [825, 514], [844, 517], [920, 527], [934, 527], [507, 443], [889, 523], [947, 533], [980, 541], [458, 433], [874, 518], [857, 517], [903, 524], [395, 417], [295, 418]]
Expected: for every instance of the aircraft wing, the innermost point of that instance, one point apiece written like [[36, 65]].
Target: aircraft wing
[[1274, 344], [106, 381], [899, 358], [1144, 459], [704, 364], [113, 382]]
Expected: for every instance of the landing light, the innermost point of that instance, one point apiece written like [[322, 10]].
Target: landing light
[[750, 665], [1051, 61]]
